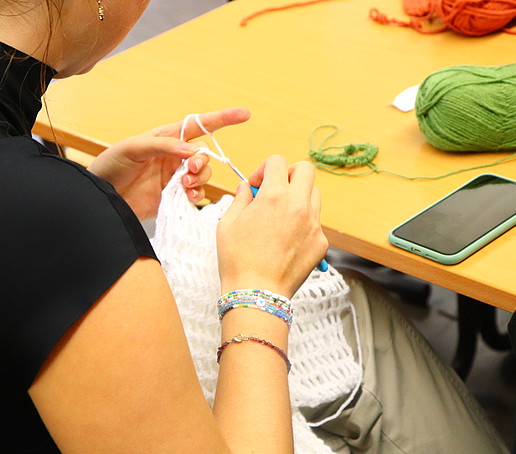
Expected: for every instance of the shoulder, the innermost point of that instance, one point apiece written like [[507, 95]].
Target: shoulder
[[42, 190], [66, 237]]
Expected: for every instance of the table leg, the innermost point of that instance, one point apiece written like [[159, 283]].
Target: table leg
[[476, 318], [469, 327], [489, 329]]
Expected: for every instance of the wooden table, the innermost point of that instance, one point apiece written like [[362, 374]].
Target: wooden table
[[295, 70]]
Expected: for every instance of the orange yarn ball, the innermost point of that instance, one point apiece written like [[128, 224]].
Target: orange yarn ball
[[467, 17], [476, 17]]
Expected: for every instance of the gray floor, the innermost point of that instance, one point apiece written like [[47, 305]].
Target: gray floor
[[492, 379], [162, 15]]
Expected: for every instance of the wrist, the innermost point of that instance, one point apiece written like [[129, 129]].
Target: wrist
[[257, 299], [255, 323], [253, 282]]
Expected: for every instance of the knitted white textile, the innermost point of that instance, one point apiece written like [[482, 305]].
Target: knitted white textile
[[323, 366]]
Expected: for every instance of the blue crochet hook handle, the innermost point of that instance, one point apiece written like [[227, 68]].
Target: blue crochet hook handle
[[323, 264]]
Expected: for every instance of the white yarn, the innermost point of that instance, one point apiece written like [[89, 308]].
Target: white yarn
[[221, 156], [323, 366]]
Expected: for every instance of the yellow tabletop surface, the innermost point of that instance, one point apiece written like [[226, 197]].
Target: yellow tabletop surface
[[295, 70]]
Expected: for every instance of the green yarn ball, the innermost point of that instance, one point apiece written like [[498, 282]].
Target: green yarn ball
[[469, 108]]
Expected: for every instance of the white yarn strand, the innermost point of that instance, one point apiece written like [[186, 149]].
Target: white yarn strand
[[221, 156]]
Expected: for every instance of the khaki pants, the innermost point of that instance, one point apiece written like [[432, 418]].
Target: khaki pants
[[410, 402]]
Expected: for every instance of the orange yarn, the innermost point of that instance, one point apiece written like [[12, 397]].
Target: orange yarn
[[245, 20], [417, 8], [467, 17]]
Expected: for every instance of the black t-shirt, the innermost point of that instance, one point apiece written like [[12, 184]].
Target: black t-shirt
[[65, 236]]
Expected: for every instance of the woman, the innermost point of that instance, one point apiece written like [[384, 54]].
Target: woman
[[96, 305], [94, 355]]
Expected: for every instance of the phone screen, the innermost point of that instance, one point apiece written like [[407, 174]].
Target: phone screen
[[464, 216]]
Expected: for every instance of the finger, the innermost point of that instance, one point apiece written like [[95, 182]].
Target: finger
[[228, 117], [195, 195], [211, 122], [243, 198], [195, 180], [197, 162], [301, 178], [272, 175], [143, 148]]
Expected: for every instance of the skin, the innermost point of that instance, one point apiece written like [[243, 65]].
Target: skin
[[140, 167], [122, 379]]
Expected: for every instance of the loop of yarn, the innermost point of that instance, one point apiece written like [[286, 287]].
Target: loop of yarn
[[469, 108], [245, 20], [332, 162], [219, 157], [352, 154], [467, 17], [415, 23]]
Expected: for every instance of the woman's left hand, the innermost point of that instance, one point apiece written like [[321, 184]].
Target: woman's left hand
[[140, 167]]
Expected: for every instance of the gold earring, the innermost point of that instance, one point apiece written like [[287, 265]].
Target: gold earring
[[100, 9]]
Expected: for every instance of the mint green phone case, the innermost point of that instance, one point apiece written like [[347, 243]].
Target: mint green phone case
[[452, 259]]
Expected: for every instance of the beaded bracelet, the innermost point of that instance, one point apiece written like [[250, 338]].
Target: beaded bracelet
[[239, 338], [263, 300], [260, 305], [280, 299]]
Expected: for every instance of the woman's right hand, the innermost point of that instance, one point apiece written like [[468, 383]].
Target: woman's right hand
[[275, 240]]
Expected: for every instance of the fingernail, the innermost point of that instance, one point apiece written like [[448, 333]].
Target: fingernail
[[198, 163], [241, 187], [187, 180]]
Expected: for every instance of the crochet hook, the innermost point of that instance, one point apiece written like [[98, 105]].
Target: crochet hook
[[323, 264]]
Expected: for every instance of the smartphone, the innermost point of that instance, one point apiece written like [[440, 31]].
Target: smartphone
[[462, 222]]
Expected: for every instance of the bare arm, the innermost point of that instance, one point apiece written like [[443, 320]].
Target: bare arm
[[253, 388], [122, 380]]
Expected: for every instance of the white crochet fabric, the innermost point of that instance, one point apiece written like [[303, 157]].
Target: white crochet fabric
[[323, 366]]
